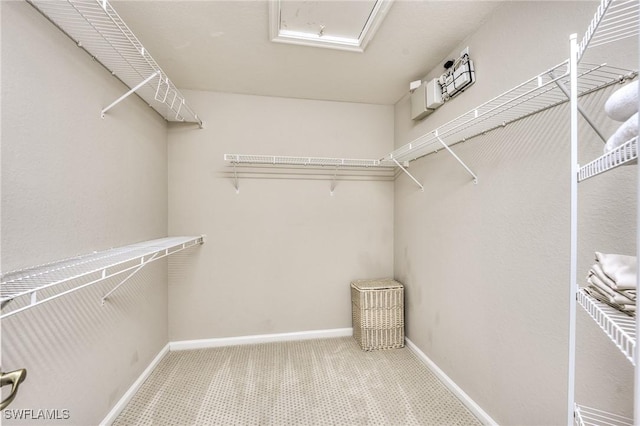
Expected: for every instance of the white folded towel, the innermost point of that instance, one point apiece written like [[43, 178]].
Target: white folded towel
[[597, 270], [613, 295], [623, 103], [620, 268], [627, 131]]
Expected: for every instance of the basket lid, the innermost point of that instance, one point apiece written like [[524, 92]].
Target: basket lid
[[376, 284]]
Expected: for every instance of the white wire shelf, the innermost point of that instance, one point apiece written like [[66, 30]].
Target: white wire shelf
[[539, 93], [47, 282], [304, 161], [587, 416], [96, 27], [624, 154], [620, 328], [613, 21]]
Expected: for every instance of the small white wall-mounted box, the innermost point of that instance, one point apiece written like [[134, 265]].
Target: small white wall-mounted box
[[434, 94], [425, 99], [419, 108]]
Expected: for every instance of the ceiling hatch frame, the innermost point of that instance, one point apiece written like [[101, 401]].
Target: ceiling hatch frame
[[280, 35]]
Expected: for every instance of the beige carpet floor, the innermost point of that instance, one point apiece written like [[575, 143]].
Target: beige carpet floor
[[313, 382]]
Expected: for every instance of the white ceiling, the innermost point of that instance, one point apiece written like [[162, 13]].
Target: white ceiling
[[225, 46]]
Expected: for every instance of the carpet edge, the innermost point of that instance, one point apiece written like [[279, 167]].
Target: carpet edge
[[452, 386]]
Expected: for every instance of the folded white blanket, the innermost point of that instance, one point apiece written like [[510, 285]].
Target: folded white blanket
[[627, 131], [623, 103], [613, 295], [620, 268], [597, 270]]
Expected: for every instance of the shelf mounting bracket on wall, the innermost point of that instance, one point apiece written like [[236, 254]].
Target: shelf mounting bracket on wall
[[236, 183], [130, 92], [334, 181], [143, 263], [408, 174], [475, 178], [584, 115]]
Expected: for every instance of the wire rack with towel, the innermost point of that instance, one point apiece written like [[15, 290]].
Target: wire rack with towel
[[609, 296], [612, 280]]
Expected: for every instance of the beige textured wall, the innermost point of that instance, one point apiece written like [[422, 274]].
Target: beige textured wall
[[487, 266], [281, 253], [73, 183]]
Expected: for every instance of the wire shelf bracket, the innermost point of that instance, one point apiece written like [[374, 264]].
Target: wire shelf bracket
[[582, 112], [236, 183], [63, 277], [143, 263], [130, 92], [475, 178], [409, 174], [334, 182]]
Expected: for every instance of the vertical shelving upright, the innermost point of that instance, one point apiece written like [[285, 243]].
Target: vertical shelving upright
[[613, 21]]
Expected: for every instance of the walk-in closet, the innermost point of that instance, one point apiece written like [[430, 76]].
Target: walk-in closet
[[343, 212]]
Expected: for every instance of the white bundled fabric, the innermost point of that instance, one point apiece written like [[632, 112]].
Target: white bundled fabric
[[627, 131], [620, 268], [625, 297], [612, 280], [623, 103]]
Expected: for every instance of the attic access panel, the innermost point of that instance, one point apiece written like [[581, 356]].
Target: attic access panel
[[344, 25]]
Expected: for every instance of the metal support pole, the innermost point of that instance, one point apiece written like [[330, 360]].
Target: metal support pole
[[573, 284], [143, 263], [408, 174], [475, 178], [636, 355], [139, 85], [584, 115]]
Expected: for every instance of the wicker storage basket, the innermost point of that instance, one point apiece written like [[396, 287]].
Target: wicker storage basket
[[377, 308]]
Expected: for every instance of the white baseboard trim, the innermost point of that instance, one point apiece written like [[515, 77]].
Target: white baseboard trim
[[452, 386], [117, 409], [182, 345]]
